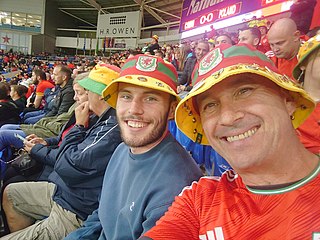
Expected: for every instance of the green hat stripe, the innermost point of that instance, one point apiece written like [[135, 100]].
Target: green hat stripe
[[129, 64], [244, 51], [194, 79], [162, 68]]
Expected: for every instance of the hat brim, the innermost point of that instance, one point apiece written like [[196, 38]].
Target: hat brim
[[110, 93], [187, 116], [297, 71], [92, 85]]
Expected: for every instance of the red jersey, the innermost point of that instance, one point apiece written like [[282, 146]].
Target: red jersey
[[309, 131], [224, 209], [286, 66], [42, 86]]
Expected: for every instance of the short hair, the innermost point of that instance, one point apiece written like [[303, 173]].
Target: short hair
[[40, 73], [65, 70], [20, 89], [4, 89], [226, 35], [254, 31]]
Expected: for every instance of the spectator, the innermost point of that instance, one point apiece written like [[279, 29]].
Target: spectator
[[211, 44], [185, 82], [169, 53], [154, 45], [9, 111], [250, 36], [223, 38], [284, 40], [46, 153], [301, 14], [39, 79], [64, 99], [247, 112], [17, 93], [307, 72], [75, 184], [180, 58], [139, 185]]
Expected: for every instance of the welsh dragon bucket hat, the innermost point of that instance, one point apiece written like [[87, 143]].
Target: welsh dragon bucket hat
[[226, 61], [305, 50], [100, 77], [145, 71]]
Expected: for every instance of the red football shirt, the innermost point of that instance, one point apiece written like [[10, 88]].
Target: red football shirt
[[221, 209]]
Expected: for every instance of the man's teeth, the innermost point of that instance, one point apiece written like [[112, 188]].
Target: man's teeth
[[242, 136], [135, 124]]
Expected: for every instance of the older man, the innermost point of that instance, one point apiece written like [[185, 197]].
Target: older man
[[244, 108], [150, 168], [42, 210]]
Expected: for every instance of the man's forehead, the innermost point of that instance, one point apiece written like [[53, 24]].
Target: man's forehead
[[234, 82], [128, 87]]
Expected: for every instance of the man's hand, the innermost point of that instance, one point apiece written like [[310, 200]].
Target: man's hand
[[181, 88], [32, 140], [82, 114]]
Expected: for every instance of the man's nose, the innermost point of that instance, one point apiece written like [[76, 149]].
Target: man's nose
[[136, 107]]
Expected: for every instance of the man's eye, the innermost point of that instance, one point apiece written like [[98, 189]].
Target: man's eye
[[151, 99], [210, 107], [245, 91], [126, 97]]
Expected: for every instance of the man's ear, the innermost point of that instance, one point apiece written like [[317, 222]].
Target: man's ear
[[256, 42], [296, 35], [290, 103], [172, 109]]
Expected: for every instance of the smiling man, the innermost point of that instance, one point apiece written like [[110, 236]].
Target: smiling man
[[247, 111], [150, 168]]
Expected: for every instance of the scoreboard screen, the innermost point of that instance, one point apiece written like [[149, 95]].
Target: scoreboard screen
[[196, 13]]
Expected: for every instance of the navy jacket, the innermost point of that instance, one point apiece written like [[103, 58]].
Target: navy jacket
[[81, 162]]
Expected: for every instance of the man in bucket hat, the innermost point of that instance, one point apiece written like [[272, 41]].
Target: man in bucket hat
[[51, 210], [307, 72], [150, 168], [247, 111]]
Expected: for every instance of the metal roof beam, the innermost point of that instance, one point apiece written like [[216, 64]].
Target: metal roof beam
[[96, 5], [170, 14], [82, 9], [154, 14], [122, 6], [89, 23], [176, 23]]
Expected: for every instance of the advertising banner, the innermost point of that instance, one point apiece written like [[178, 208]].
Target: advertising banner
[[126, 24], [196, 13]]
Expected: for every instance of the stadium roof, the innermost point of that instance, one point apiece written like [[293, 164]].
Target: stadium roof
[[156, 13]]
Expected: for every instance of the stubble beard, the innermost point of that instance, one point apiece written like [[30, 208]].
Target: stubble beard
[[152, 137]]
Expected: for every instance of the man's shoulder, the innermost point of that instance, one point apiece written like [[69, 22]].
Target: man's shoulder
[[209, 183]]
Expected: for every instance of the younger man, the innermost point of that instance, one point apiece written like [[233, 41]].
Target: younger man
[[150, 168]]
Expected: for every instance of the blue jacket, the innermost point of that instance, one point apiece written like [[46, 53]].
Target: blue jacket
[[81, 162], [47, 155]]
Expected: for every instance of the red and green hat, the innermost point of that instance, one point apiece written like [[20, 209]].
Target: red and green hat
[[304, 52], [100, 77], [145, 71], [226, 61]]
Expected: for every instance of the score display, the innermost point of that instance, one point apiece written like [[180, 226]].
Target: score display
[[197, 13]]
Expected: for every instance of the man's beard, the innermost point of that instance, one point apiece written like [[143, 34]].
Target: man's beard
[[156, 133]]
